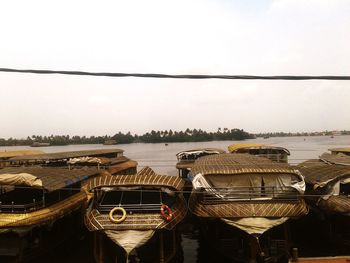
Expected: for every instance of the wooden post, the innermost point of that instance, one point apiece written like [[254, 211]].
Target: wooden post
[[100, 245], [95, 246], [286, 236], [253, 245], [20, 253], [161, 247]]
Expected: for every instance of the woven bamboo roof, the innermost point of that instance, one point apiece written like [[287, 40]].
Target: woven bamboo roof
[[238, 147], [67, 155], [119, 167], [53, 178], [345, 150], [10, 154], [339, 158], [323, 174], [185, 164], [145, 177], [238, 164]]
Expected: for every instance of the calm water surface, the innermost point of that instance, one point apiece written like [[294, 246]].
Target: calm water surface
[[162, 159]]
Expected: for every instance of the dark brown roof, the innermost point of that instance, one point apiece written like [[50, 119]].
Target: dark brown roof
[[145, 177], [54, 178], [238, 164], [311, 163], [339, 158], [323, 174], [185, 164], [66, 155]]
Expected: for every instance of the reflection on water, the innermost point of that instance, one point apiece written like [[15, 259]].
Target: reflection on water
[[162, 159]]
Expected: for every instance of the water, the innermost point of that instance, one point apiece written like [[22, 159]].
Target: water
[[162, 158]]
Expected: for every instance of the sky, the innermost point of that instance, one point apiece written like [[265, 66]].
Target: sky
[[275, 37]]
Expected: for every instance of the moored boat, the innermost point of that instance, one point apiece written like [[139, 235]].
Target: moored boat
[[249, 193], [40, 208], [6, 155], [327, 185], [327, 193], [274, 153], [128, 212], [343, 150], [185, 159], [111, 160]]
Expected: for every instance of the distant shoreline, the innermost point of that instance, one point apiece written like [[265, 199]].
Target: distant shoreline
[[189, 141]]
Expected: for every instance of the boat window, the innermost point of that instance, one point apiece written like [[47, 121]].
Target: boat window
[[345, 189], [24, 198], [21, 199], [252, 186]]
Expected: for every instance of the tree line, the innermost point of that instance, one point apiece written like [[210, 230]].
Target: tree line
[[195, 135]]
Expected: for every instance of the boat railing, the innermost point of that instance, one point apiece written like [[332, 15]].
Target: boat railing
[[39, 202], [130, 208], [265, 193], [277, 157], [18, 208]]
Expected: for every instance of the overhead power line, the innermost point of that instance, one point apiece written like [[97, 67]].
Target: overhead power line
[[170, 76]]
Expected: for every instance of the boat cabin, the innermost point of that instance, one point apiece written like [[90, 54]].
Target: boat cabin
[[345, 150], [186, 159], [5, 156], [146, 203], [240, 192], [274, 153], [112, 160], [35, 203]]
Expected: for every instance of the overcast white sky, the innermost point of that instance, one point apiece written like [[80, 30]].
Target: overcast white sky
[[286, 37]]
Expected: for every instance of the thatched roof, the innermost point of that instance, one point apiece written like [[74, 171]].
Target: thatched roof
[[345, 150], [51, 178], [10, 154], [238, 164], [323, 174], [339, 158], [145, 177], [67, 155], [311, 163], [240, 147], [185, 164], [118, 168]]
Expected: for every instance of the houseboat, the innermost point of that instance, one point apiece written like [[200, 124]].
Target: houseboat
[[274, 153], [344, 150], [185, 159], [239, 197], [328, 195], [6, 155], [111, 160], [40, 208], [339, 156], [131, 215]]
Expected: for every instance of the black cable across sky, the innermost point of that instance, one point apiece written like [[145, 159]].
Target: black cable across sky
[[170, 76]]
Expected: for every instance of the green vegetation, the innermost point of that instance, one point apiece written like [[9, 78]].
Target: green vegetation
[[150, 137]]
